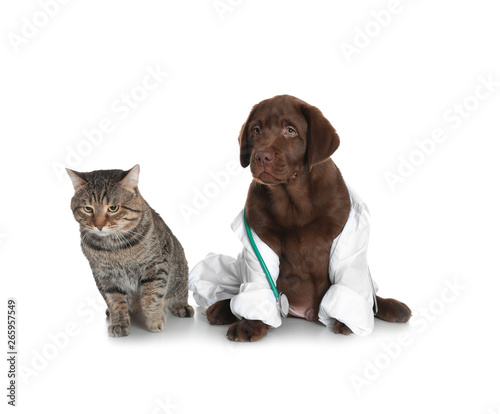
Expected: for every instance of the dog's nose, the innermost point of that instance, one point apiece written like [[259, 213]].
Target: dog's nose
[[264, 157]]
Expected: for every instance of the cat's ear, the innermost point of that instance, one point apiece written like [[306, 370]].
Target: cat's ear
[[76, 178], [131, 180]]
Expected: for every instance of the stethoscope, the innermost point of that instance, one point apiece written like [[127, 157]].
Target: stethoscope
[[281, 299]]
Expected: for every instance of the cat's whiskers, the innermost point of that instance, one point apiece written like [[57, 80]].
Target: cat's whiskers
[[132, 232], [121, 240], [85, 234], [136, 238]]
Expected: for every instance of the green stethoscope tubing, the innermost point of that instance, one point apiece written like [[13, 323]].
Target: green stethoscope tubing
[[261, 260], [270, 280]]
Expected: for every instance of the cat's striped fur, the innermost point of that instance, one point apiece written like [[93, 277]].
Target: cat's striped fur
[[138, 264]]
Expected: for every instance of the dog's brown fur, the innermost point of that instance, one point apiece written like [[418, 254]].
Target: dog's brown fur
[[298, 203]]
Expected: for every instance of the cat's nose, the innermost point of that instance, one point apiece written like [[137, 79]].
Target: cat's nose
[[99, 227]]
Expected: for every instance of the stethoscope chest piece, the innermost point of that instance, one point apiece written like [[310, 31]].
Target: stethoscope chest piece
[[283, 305]]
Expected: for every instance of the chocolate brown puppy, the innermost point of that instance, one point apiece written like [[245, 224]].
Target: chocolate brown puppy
[[298, 203]]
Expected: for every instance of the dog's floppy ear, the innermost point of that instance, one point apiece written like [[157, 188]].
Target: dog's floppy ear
[[322, 139], [245, 144]]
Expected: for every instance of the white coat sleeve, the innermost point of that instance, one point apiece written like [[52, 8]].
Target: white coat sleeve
[[255, 299], [219, 277], [213, 279], [351, 297]]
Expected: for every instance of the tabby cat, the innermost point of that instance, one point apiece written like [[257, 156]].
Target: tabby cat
[[137, 263]]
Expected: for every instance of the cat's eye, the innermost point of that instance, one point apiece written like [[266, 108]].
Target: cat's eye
[[113, 209], [88, 209]]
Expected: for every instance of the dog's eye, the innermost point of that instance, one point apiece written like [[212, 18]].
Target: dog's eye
[[291, 131], [256, 130]]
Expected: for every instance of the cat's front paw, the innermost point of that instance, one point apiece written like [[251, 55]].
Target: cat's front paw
[[118, 329], [156, 324], [183, 310]]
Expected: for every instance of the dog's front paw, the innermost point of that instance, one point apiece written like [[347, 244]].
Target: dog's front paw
[[341, 328], [220, 313], [247, 331], [116, 330]]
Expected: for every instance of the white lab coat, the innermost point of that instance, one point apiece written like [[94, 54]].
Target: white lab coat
[[350, 299]]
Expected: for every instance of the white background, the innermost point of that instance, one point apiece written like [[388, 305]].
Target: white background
[[438, 227]]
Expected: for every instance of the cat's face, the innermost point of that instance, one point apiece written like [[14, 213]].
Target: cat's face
[[106, 202]]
